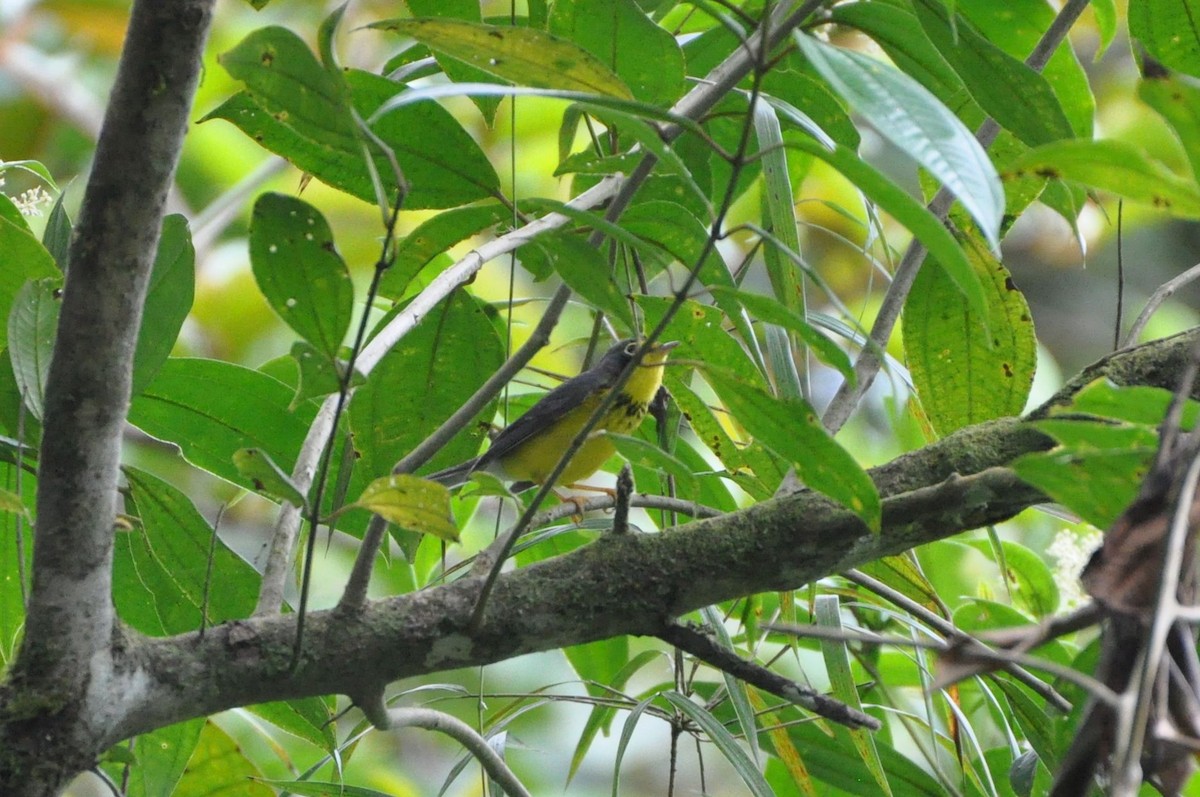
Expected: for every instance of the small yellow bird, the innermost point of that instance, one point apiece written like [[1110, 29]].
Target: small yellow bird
[[528, 449]]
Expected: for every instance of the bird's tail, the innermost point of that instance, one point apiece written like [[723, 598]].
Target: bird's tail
[[456, 475]]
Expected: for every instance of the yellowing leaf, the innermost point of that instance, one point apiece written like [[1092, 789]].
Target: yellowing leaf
[[411, 502]]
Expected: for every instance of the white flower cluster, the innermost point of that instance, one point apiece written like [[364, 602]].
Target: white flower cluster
[[1071, 550], [30, 202]]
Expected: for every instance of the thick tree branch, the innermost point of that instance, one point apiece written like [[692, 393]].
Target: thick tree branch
[[68, 657], [621, 584]]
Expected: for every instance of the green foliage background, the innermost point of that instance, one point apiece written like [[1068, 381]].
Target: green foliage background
[[817, 172]]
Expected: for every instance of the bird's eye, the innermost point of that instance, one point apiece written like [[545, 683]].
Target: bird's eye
[[631, 348]]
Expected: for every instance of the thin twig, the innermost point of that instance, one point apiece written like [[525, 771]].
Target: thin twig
[[706, 649], [1164, 292]]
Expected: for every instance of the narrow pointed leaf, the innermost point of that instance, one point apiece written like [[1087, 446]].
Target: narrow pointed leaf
[[910, 117]]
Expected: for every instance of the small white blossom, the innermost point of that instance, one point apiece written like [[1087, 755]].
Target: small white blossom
[[30, 202], [1071, 550]]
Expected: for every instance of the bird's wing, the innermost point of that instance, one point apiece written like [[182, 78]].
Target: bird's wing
[[547, 411]]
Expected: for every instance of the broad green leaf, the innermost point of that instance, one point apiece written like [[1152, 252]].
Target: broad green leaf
[[22, 258], [458, 71], [1116, 167], [35, 168], [412, 503], [911, 118], [287, 81], [586, 271], [256, 466], [1096, 472], [16, 556], [298, 109], [827, 613], [1169, 30], [11, 213], [994, 77], [319, 375], [300, 271], [523, 56], [162, 756], [801, 91], [168, 299], [793, 430], [421, 382], [969, 368], [32, 325], [434, 236], [948, 254], [771, 311], [623, 38], [309, 718], [1138, 404], [1017, 26], [729, 747], [1105, 12], [220, 766], [1178, 102], [211, 409], [160, 567]]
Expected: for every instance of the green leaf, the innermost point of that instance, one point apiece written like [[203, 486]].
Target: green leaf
[[968, 368], [412, 503], [911, 118], [12, 503], [724, 741], [901, 573], [523, 56], [287, 81], [1031, 581], [22, 259], [994, 77], [1097, 470], [168, 299], [1017, 26], [161, 759], [309, 718], [909, 212], [220, 766], [1169, 30], [300, 271], [623, 38], [57, 235], [433, 237], [161, 566], [1116, 167], [1138, 404], [256, 466], [586, 271], [793, 430], [643, 452], [421, 382], [767, 309], [315, 788], [211, 409], [298, 109], [319, 375], [601, 716], [32, 325], [1178, 102], [456, 70], [841, 681]]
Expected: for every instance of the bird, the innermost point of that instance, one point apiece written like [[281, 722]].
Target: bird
[[527, 451]]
